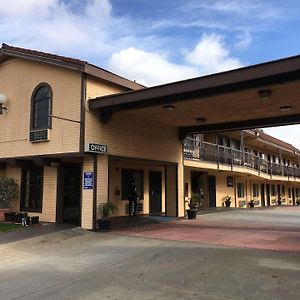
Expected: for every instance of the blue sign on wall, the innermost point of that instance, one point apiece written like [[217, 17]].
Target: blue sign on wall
[[88, 180]]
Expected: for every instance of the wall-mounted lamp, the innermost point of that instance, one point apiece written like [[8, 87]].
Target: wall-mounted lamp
[[3, 100], [286, 108], [169, 107], [200, 120], [265, 93]]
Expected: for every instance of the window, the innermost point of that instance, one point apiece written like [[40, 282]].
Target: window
[[255, 190], [32, 189], [240, 190], [138, 177], [41, 107]]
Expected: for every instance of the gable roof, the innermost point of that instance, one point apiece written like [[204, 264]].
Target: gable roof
[[275, 141], [7, 51]]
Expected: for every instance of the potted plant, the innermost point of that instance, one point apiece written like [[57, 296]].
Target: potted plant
[[8, 192], [106, 210], [252, 203], [298, 201], [227, 201], [281, 198], [193, 203]]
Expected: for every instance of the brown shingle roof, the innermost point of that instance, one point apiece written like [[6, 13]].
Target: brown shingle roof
[[67, 62], [268, 138]]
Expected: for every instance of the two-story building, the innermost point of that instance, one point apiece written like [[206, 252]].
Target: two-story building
[[244, 165], [73, 135], [50, 141]]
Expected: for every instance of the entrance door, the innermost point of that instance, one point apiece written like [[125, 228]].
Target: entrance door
[[268, 194], [155, 192], [70, 194], [212, 191], [262, 194]]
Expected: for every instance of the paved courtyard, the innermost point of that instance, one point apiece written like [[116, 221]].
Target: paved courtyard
[[267, 228], [78, 264]]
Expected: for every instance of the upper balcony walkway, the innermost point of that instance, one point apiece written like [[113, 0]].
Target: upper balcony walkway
[[207, 152]]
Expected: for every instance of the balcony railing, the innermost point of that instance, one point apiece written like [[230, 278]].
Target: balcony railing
[[204, 151]]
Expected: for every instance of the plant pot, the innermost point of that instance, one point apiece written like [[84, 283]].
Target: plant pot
[[9, 216], [251, 204], [35, 220], [298, 203], [279, 202], [192, 213], [103, 224], [227, 204], [19, 216]]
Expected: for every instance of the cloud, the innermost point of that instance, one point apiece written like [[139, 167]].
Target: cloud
[[244, 8], [149, 68], [209, 56], [80, 28]]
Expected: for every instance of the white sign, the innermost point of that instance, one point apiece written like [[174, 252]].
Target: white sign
[[95, 148]]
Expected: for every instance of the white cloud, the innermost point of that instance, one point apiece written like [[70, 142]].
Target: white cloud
[[211, 55], [79, 28], [255, 8], [149, 68], [32, 8]]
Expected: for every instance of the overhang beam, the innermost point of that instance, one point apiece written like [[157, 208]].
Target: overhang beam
[[240, 125]]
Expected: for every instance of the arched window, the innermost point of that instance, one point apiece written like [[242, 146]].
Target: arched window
[[41, 107]]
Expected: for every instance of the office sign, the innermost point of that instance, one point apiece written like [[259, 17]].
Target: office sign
[[95, 148], [88, 180]]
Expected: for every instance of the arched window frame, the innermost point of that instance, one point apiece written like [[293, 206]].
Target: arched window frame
[[33, 100]]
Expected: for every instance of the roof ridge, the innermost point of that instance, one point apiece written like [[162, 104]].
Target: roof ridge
[[72, 63], [277, 141], [43, 54]]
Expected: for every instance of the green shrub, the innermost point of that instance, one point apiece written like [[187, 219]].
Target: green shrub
[[8, 191]]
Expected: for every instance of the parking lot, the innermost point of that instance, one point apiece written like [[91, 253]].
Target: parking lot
[[238, 254]]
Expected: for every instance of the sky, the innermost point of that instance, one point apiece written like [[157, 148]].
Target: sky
[[155, 42]]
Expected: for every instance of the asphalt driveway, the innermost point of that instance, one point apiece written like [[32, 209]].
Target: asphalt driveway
[[78, 264]]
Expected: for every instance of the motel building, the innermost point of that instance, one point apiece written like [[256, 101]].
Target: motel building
[[73, 135]]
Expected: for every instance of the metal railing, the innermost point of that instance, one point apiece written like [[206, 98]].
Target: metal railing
[[204, 151]]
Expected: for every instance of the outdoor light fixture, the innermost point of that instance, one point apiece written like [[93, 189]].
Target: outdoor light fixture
[[169, 107], [200, 120], [285, 108], [3, 100], [265, 93]]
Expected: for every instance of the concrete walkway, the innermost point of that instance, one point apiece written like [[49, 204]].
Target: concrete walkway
[[79, 264], [271, 229]]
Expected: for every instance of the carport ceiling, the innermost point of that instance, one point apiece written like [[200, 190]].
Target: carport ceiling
[[219, 102]]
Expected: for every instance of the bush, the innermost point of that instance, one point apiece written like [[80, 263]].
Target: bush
[[8, 191], [107, 209]]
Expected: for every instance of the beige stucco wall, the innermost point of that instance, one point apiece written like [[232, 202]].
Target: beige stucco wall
[[115, 184], [18, 79], [49, 195], [130, 136]]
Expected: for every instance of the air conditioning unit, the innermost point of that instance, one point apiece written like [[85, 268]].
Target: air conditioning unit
[[42, 135]]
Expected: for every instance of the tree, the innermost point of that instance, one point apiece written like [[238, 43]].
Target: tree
[[8, 191]]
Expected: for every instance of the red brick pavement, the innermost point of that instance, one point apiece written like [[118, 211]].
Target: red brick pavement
[[262, 236]]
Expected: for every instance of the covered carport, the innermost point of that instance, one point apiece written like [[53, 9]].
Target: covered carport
[[262, 95]]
